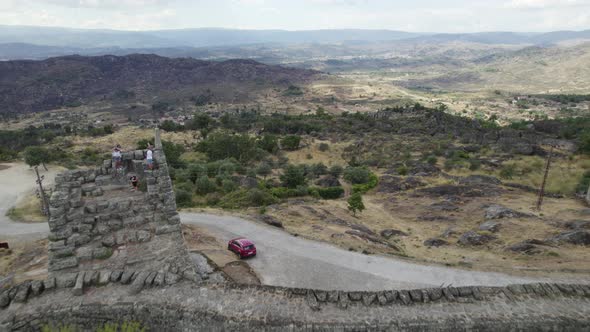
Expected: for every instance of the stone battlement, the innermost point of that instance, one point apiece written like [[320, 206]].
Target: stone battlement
[[98, 224]]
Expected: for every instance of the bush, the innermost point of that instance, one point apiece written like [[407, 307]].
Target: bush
[[324, 147], [432, 160], [268, 143], [264, 170], [584, 183], [183, 198], [293, 176], [331, 193], [474, 164], [355, 203], [508, 172], [291, 142], [205, 186], [402, 170], [363, 188], [222, 145], [245, 198], [357, 175], [336, 171]]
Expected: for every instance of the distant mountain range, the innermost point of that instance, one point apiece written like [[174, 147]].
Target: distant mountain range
[[32, 86], [25, 42]]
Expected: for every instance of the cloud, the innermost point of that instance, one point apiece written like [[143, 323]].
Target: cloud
[[106, 4], [543, 4]]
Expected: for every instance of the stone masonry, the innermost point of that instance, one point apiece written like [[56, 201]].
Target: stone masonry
[[100, 229]]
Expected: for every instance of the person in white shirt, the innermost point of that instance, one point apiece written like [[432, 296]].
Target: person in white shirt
[[117, 157], [149, 157]]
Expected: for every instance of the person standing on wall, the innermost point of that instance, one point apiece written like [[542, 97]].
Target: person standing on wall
[[149, 157], [117, 158]]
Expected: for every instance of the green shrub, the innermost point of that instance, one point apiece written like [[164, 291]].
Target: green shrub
[[357, 175], [402, 170], [508, 172], [246, 198], [355, 203], [584, 183], [331, 193], [432, 160], [363, 188], [474, 164], [336, 171], [293, 176], [183, 198], [324, 147], [291, 142], [205, 186], [228, 185]]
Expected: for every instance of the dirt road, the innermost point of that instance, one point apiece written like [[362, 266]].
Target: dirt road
[[285, 260], [17, 181]]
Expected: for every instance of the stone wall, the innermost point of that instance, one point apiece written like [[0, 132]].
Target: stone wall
[[189, 306], [98, 226]]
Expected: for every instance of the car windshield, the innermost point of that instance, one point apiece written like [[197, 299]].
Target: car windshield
[[250, 247]]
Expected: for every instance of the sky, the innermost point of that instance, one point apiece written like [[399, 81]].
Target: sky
[[406, 15]]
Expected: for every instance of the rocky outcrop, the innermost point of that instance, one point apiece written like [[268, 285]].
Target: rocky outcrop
[[577, 237], [496, 211], [473, 238]]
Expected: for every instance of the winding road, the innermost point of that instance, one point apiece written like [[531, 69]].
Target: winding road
[[285, 260]]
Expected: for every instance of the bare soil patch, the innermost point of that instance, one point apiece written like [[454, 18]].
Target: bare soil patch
[[197, 239]]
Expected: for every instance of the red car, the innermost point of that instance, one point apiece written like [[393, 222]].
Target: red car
[[242, 247]]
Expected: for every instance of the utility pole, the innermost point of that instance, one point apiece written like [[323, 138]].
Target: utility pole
[[542, 190], [44, 202]]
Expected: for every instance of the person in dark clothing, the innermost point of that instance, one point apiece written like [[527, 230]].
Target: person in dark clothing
[[134, 182]]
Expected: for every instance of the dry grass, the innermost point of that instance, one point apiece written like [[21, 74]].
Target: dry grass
[[25, 261], [27, 210], [333, 156], [402, 212]]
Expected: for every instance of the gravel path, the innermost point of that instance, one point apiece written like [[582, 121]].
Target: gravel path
[[285, 260], [17, 182]]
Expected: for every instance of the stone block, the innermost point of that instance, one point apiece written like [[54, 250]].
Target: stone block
[[22, 294], [4, 300], [167, 229], [79, 285], [171, 278], [63, 263], [369, 298], [150, 279], [126, 277], [139, 282], [49, 283], [66, 280], [143, 236], [90, 278], [116, 276], [159, 279], [37, 287]]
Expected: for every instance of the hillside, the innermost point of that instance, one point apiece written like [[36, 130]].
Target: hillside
[[31, 86]]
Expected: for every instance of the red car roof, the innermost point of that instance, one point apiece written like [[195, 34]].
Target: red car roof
[[243, 241]]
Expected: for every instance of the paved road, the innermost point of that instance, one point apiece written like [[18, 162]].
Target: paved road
[[285, 260], [16, 182]]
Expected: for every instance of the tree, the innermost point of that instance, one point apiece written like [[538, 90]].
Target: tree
[[336, 171], [293, 176], [355, 203], [291, 142], [200, 121], [357, 175], [264, 170], [221, 145], [36, 155], [269, 143]]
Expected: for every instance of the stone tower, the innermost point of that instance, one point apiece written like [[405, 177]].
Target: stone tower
[[101, 230]]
